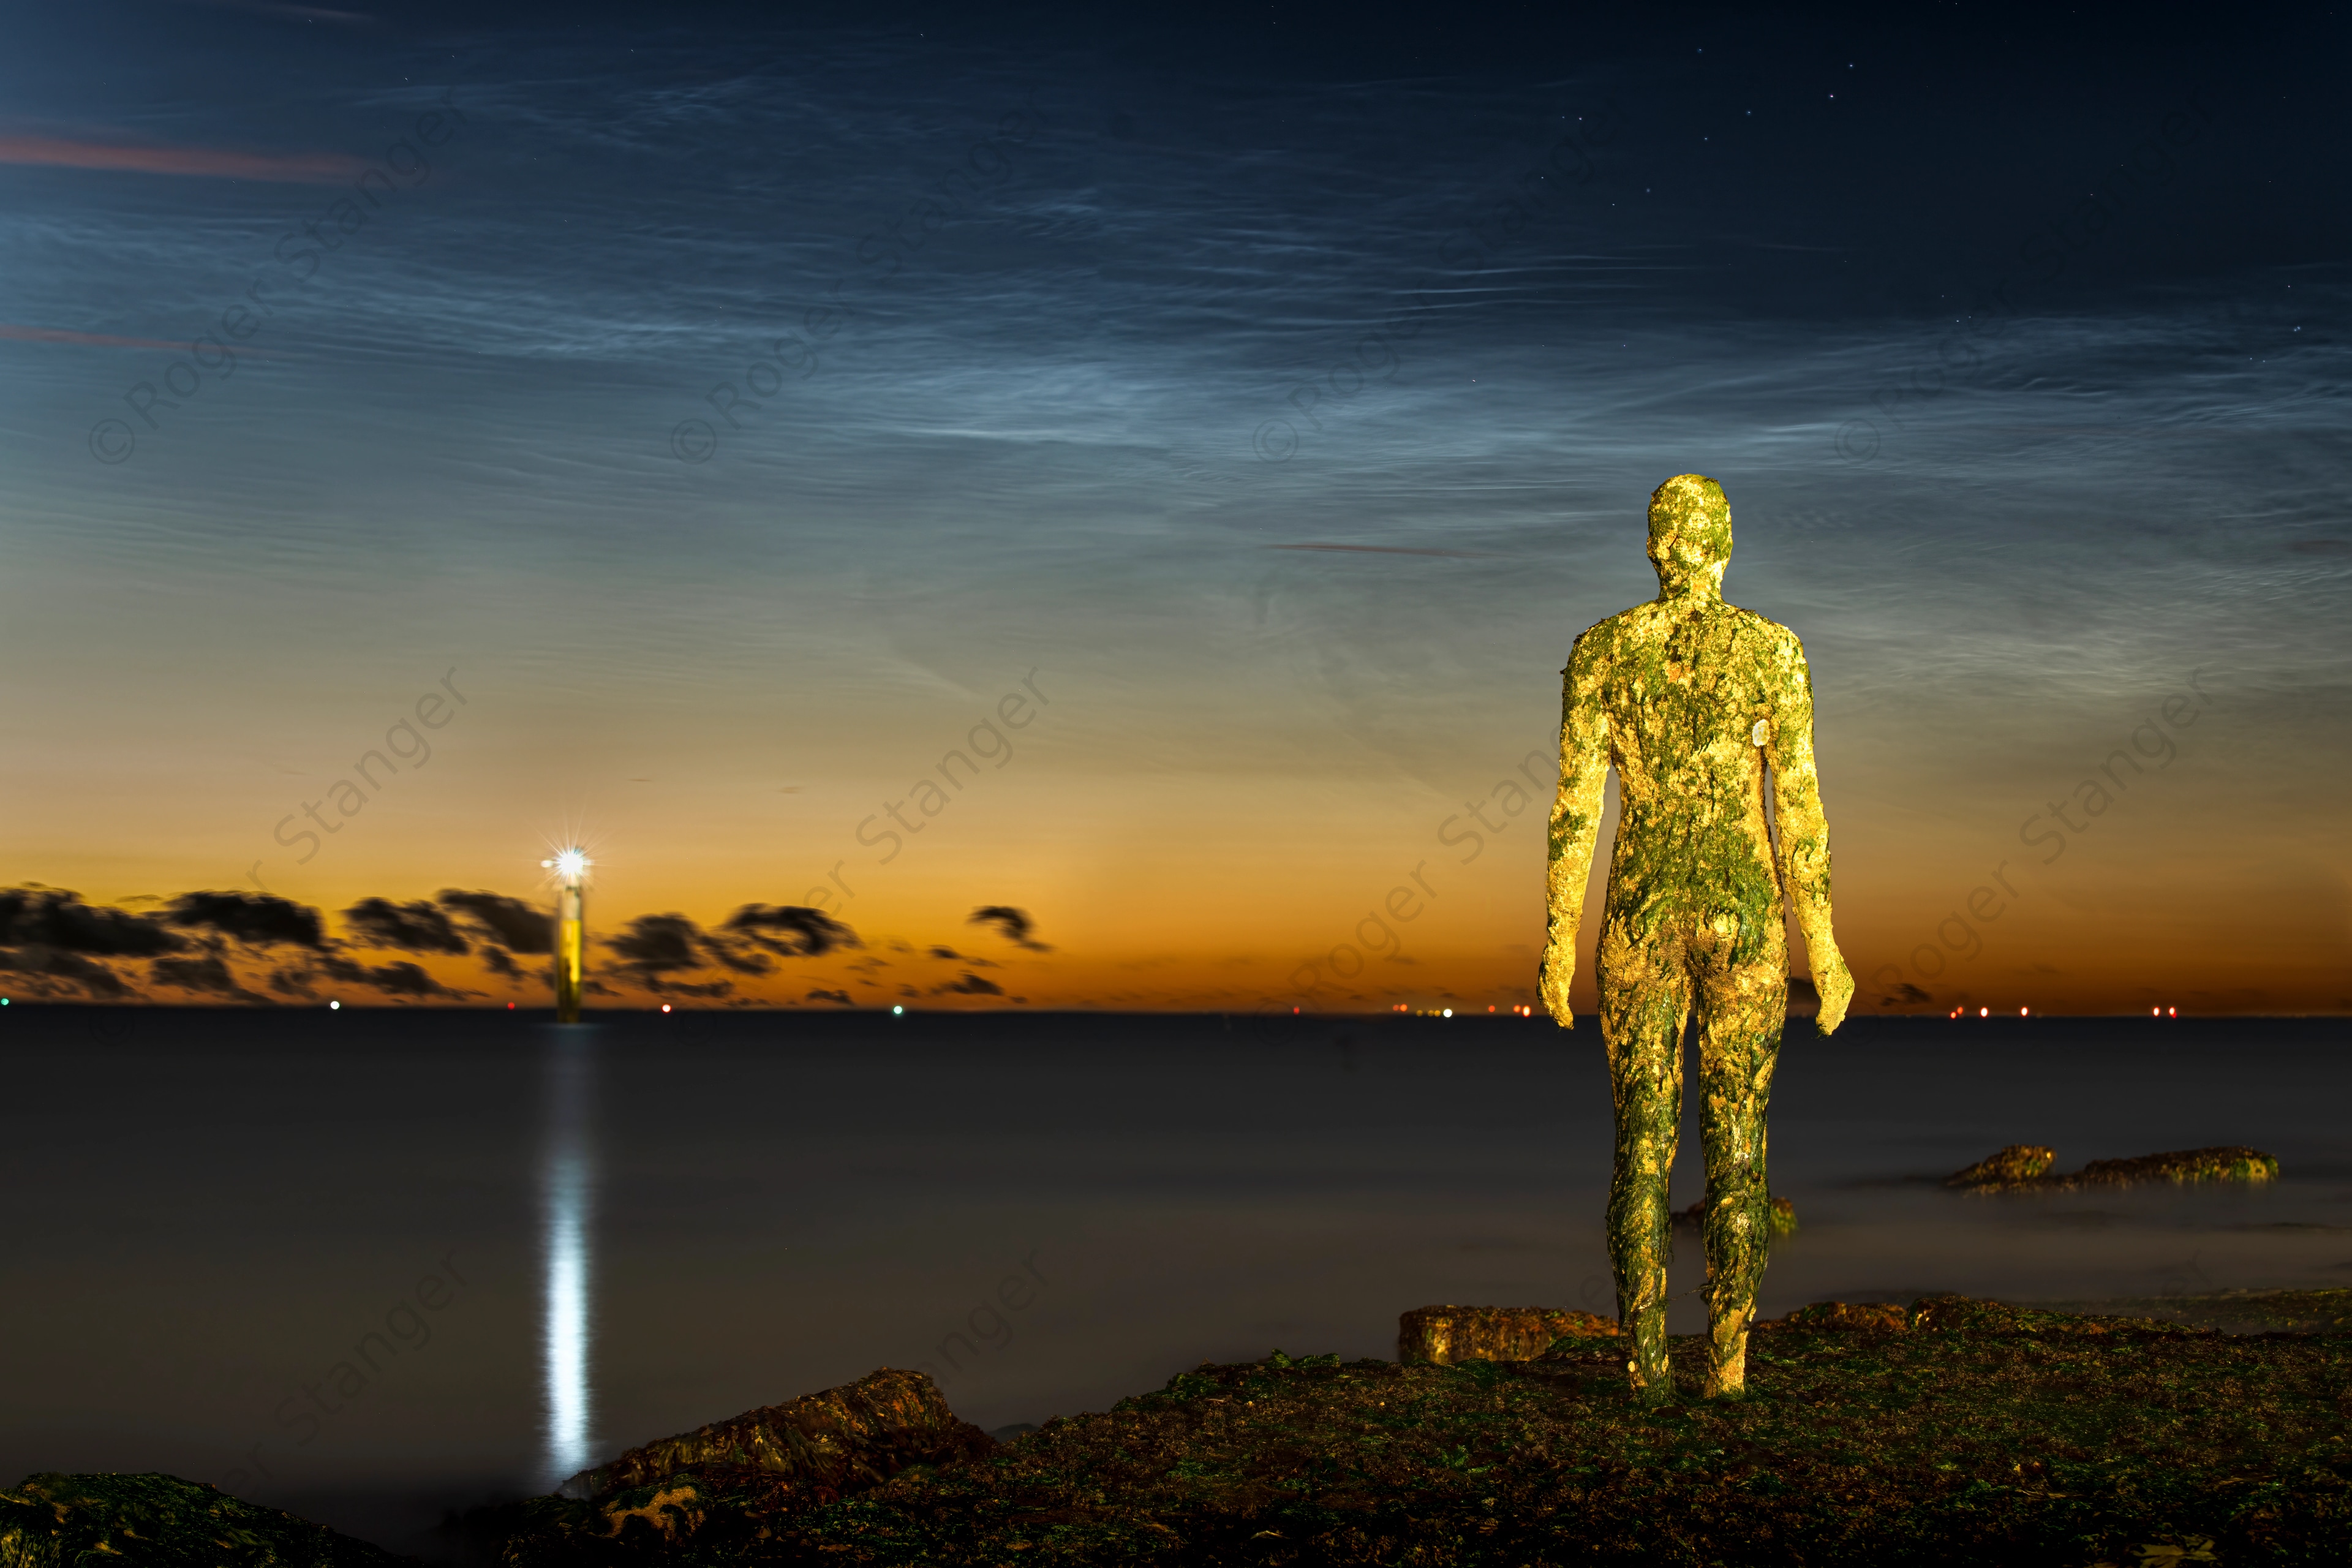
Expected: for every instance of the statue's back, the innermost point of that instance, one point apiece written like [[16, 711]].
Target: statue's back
[[1683, 689]]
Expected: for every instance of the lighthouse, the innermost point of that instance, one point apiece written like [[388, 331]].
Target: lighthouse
[[571, 870]]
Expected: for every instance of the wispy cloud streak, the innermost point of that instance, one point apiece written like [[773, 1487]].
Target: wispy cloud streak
[[205, 162]]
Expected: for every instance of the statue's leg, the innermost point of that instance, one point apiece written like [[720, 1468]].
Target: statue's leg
[[1645, 1002], [1741, 1006]]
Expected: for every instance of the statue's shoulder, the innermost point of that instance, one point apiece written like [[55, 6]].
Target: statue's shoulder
[[1602, 637], [1771, 633]]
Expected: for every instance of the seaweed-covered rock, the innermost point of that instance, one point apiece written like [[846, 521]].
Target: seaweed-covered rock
[[2235, 1312], [1972, 1315], [1867, 1317], [2225, 1163], [1782, 1221], [2017, 1163], [2025, 1167], [1449, 1335], [720, 1490], [832, 1442], [161, 1522]]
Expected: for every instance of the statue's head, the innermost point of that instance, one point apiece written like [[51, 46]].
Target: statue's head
[[1690, 535]]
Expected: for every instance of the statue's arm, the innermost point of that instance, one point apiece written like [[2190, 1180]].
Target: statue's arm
[[1575, 820], [1803, 849]]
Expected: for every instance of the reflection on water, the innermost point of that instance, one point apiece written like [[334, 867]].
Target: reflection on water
[[567, 1213]]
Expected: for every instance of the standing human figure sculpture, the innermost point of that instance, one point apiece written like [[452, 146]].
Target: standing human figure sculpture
[[1694, 700]]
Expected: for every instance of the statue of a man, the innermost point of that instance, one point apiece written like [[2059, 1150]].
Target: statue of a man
[[1694, 700]]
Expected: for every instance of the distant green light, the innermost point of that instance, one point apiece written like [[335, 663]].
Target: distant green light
[[896, 1011]]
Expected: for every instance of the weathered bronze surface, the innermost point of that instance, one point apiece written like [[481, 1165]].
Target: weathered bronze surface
[[1694, 703]]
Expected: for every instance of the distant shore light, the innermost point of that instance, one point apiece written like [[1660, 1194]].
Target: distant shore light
[[335, 1007]]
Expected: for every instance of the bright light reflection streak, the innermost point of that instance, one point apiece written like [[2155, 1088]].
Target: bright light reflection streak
[[568, 1187]]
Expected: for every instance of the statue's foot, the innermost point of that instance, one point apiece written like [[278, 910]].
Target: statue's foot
[[1728, 1378], [1656, 1388]]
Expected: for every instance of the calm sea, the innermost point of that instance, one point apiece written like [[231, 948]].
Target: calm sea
[[372, 1265]]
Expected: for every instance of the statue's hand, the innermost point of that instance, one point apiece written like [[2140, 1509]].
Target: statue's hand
[[1835, 984], [1558, 967]]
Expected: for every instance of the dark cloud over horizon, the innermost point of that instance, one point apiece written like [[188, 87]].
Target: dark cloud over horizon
[[1014, 925], [413, 927], [969, 984], [496, 920], [52, 939], [256, 919], [792, 931]]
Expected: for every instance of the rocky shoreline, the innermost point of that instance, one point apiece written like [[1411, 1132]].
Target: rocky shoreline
[[1945, 1431]]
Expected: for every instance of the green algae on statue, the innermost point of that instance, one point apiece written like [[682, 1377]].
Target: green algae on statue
[[1695, 702]]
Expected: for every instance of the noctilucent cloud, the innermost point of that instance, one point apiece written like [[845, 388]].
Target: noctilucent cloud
[[1145, 475]]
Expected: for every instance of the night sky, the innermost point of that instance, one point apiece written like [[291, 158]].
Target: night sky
[[1200, 434]]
